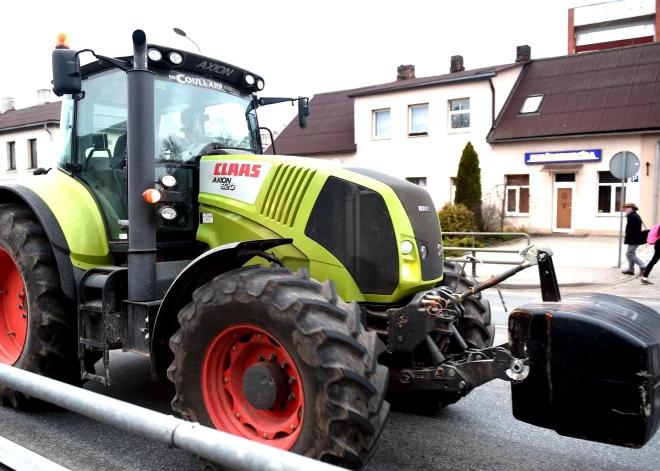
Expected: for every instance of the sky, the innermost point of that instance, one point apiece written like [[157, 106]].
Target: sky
[[299, 47]]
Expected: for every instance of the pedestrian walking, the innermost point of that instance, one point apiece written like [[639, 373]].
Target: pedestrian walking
[[653, 238], [633, 238]]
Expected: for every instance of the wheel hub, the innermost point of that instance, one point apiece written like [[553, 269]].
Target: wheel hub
[[265, 385], [252, 387], [13, 310]]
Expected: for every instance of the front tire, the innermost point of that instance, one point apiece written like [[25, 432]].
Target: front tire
[[325, 396], [38, 332]]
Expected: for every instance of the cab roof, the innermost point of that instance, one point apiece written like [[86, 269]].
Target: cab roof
[[195, 63]]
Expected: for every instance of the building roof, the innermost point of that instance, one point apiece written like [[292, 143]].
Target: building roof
[[474, 74], [601, 92], [330, 128], [32, 116], [331, 124]]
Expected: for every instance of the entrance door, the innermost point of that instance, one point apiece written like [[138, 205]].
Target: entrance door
[[564, 207], [564, 186]]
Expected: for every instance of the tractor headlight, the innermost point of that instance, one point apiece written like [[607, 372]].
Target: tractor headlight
[[439, 250], [423, 251], [176, 58], [168, 213], [405, 270], [406, 247], [155, 55], [260, 84], [249, 79], [168, 180]]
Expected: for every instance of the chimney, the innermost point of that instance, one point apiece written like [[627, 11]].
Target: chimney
[[7, 104], [43, 96], [456, 64], [405, 72], [523, 53]]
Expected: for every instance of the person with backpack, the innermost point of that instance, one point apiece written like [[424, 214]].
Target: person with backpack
[[632, 238], [654, 239]]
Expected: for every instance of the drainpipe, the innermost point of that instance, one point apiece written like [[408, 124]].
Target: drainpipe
[[492, 89], [48, 131], [655, 186]]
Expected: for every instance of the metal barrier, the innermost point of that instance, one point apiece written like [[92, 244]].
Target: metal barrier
[[474, 249], [219, 447]]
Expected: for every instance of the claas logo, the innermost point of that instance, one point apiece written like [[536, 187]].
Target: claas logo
[[237, 170]]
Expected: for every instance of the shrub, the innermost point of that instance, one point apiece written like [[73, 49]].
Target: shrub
[[456, 218]]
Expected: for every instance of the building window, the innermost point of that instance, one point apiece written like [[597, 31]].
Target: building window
[[382, 124], [32, 152], [517, 194], [459, 113], [532, 104], [11, 156], [419, 120], [609, 193], [420, 181]]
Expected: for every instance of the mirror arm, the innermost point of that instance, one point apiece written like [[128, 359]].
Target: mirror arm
[[125, 66], [272, 101]]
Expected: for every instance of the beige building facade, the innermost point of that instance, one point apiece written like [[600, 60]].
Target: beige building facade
[[29, 137], [427, 151], [565, 185]]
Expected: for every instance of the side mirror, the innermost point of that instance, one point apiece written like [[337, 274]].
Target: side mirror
[[66, 72], [303, 111]]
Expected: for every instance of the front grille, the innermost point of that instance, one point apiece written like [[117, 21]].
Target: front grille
[[353, 224], [420, 209], [286, 193]]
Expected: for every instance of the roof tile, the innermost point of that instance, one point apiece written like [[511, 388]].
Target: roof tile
[[605, 91], [49, 112]]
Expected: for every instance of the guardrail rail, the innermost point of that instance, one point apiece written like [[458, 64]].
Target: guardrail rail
[[473, 250], [219, 447]]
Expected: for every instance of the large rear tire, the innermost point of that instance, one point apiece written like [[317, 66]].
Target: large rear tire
[[476, 329], [326, 398], [37, 321]]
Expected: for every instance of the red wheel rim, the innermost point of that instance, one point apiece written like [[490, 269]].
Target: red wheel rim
[[227, 358], [13, 310]]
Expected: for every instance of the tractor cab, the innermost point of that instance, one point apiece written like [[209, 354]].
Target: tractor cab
[[201, 107]]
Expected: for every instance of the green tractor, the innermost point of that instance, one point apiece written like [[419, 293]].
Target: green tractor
[[289, 300]]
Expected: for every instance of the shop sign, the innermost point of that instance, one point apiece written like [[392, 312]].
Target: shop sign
[[591, 155]]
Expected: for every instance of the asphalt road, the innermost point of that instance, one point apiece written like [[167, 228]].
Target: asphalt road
[[477, 433]]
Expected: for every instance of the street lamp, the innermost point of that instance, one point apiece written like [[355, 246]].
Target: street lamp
[[181, 32]]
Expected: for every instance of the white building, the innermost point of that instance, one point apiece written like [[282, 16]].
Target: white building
[[577, 111], [29, 137]]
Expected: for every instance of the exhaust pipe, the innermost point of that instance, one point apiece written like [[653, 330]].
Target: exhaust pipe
[[141, 175]]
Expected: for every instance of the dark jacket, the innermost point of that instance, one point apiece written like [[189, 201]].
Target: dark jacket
[[633, 229]]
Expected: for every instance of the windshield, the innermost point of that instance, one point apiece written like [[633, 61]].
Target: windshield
[[191, 115], [194, 116]]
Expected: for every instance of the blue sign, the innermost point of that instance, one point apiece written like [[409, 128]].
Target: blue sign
[[591, 155], [635, 178]]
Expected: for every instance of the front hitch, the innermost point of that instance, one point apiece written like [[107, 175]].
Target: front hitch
[[469, 371]]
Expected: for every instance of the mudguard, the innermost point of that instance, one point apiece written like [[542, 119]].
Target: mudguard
[[201, 270], [12, 192], [594, 364]]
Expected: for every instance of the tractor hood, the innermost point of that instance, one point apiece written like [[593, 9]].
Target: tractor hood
[[383, 230]]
